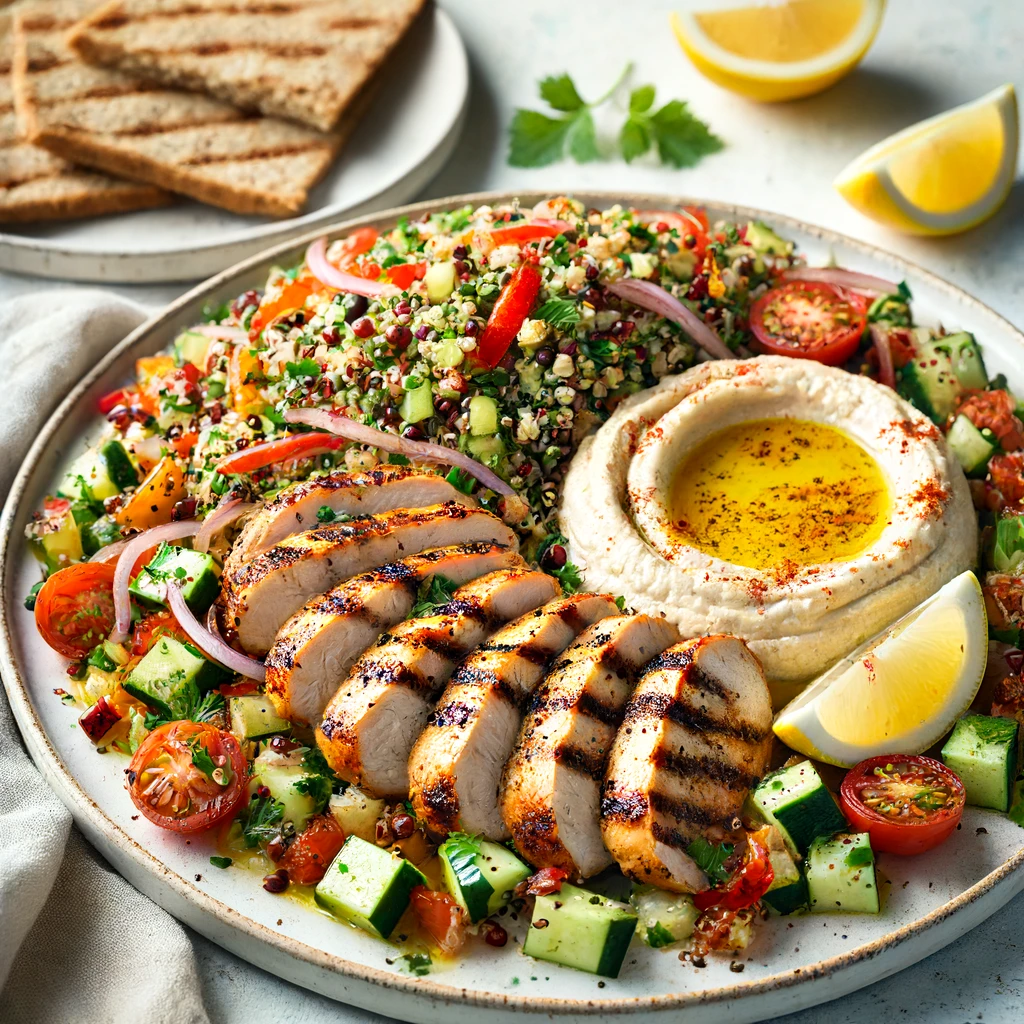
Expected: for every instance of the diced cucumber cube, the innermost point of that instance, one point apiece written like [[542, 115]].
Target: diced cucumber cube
[[484, 448], [581, 929], [799, 805], [664, 917], [194, 571], [983, 751], [300, 804], [970, 446], [788, 891], [368, 886], [62, 546], [253, 717], [167, 669], [480, 875], [192, 347], [88, 479], [841, 875], [965, 356], [417, 404], [119, 467], [930, 383], [483, 416]]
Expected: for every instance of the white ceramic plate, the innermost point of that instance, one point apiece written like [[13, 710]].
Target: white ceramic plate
[[794, 962], [410, 130]]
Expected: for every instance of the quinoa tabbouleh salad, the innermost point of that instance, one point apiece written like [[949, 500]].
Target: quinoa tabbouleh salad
[[314, 581]]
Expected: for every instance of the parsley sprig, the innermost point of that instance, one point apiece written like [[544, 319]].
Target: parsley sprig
[[190, 704], [537, 139]]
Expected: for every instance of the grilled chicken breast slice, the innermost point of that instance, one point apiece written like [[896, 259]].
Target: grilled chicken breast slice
[[319, 644], [551, 789], [696, 736], [371, 723], [455, 767], [355, 494], [260, 596]]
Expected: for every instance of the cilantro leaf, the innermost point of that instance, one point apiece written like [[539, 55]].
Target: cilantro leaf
[[560, 313], [260, 819], [634, 139], [641, 100], [433, 593], [303, 368], [582, 137], [536, 140], [559, 91], [620, 603], [682, 138], [710, 857]]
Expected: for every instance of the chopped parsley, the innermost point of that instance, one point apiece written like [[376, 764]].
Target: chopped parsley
[[30, 599], [202, 760], [681, 138], [326, 516], [303, 368], [569, 576], [658, 935], [189, 704], [461, 480], [260, 820], [710, 857], [221, 862], [860, 857], [418, 963], [433, 593]]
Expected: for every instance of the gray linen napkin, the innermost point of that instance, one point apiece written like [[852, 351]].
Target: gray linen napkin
[[77, 942]]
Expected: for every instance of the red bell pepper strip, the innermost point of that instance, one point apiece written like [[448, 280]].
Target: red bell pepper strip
[[512, 308], [122, 396], [283, 449], [523, 233], [748, 883], [355, 245]]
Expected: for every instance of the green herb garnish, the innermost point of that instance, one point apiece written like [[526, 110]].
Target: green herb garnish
[[537, 139], [260, 819], [710, 857], [221, 862], [658, 935], [326, 516], [559, 313], [433, 594]]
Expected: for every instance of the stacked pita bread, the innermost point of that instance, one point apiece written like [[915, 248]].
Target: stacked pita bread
[[239, 103]]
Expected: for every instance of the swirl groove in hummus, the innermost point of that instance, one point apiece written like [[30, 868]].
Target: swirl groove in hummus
[[799, 617]]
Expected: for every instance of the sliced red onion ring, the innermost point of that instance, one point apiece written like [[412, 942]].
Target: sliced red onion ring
[[653, 297], [126, 560], [327, 273], [842, 279], [210, 643], [219, 519], [327, 419], [886, 370], [110, 552], [221, 332]]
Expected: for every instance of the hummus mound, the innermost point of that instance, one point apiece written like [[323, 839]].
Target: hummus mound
[[799, 618]]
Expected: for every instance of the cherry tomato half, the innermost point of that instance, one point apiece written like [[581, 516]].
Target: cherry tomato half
[[155, 625], [906, 803], [187, 776], [311, 853], [809, 320], [75, 608]]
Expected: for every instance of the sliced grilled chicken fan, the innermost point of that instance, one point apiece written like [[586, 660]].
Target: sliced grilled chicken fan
[[355, 494], [319, 644], [262, 595], [372, 722], [696, 736], [551, 789], [455, 767]]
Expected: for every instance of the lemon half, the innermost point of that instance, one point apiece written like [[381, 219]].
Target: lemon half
[[941, 175], [779, 51], [901, 691]]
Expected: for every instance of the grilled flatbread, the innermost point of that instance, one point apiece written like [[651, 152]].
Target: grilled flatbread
[[306, 60], [195, 145], [37, 185]]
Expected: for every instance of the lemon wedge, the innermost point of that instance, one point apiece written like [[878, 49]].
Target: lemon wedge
[[942, 175], [778, 51], [901, 691]]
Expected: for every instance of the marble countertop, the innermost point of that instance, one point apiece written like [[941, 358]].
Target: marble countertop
[[929, 55]]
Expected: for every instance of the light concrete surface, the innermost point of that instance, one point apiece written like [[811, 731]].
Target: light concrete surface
[[930, 55]]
